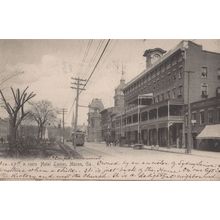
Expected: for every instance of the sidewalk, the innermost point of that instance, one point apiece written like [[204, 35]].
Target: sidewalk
[[199, 153], [194, 152]]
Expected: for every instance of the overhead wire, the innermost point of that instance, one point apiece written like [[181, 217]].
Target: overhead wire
[[90, 42], [106, 45], [95, 67], [113, 44], [85, 56], [95, 54]]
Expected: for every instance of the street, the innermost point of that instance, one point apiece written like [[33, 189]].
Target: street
[[101, 151]]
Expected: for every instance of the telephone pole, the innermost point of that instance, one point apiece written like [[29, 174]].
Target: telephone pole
[[78, 85], [63, 111], [189, 130]]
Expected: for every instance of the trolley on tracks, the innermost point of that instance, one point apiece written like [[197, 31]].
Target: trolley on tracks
[[78, 137]]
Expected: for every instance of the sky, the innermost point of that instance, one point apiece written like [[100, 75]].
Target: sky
[[46, 66]]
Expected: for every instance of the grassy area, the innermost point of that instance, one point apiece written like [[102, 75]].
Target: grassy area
[[42, 150]]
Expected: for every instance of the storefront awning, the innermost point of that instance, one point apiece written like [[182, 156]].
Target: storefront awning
[[210, 132]]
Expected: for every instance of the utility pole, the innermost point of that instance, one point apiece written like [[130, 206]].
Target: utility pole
[[78, 85], [63, 111], [189, 130]]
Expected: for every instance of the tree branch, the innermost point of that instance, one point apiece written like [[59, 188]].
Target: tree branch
[[22, 94], [6, 104], [13, 92], [21, 119]]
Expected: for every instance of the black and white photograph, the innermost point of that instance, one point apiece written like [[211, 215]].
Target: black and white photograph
[[110, 109]]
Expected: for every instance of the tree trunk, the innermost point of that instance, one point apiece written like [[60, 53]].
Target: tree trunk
[[40, 132], [12, 138]]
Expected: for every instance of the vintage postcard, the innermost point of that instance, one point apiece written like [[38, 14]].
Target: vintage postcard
[[110, 109]]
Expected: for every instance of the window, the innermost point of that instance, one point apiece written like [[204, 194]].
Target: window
[[158, 72], [153, 114], [158, 83], [174, 61], [144, 116], [186, 119], [202, 117], [168, 94], [218, 114], [129, 120], [180, 73], [92, 123], [218, 73], [135, 85], [204, 73], [180, 91], [194, 117], [204, 90], [211, 116], [135, 118], [180, 59], [154, 85], [158, 98], [174, 93]]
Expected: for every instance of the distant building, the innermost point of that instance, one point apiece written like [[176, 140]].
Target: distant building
[[4, 128], [108, 124], [156, 99], [204, 112], [108, 115], [119, 95], [94, 121]]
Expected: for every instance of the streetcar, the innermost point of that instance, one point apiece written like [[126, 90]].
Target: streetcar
[[79, 137]]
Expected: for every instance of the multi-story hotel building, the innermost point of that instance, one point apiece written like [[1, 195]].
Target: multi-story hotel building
[[156, 100]]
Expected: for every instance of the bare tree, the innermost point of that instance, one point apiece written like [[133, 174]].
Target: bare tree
[[16, 113], [43, 113]]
